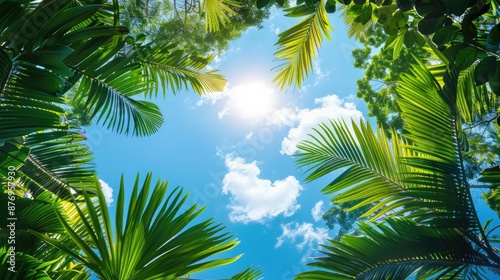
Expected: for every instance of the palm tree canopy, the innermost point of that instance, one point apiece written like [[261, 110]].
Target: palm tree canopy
[[416, 184], [154, 238]]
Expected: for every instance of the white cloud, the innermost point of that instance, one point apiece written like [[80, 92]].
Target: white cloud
[[107, 192], [317, 211], [301, 121], [254, 199], [213, 97], [275, 29], [218, 57], [249, 135], [304, 235], [319, 74], [285, 116]]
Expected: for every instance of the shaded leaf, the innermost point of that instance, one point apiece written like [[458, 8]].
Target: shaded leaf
[[485, 70]]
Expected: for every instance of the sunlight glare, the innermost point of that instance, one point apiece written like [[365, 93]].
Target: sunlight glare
[[253, 101]]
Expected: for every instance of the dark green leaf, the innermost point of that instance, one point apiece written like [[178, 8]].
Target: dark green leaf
[[384, 15], [478, 9], [262, 3], [465, 57], [405, 5], [399, 19], [12, 156], [330, 6], [495, 80], [391, 31], [458, 7], [491, 175], [469, 29], [485, 70], [430, 8], [366, 13], [419, 39], [429, 25], [409, 38], [493, 40], [355, 10], [445, 34]]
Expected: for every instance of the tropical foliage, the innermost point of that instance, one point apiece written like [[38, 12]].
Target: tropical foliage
[[297, 45], [59, 51], [187, 21], [409, 181], [422, 220], [150, 240]]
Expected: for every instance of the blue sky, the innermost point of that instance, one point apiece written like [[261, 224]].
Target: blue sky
[[232, 150]]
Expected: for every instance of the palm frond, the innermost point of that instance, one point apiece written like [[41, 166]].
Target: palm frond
[[250, 273], [472, 100], [26, 266], [32, 214], [421, 178], [22, 99], [354, 28], [12, 156], [462, 272], [58, 163], [376, 173], [400, 240], [298, 45], [216, 13], [440, 148], [40, 214], [167, 66], [109, 92], [153, 240]]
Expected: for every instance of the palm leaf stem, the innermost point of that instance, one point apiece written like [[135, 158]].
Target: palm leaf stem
[[487, 248], [484, 245], [445, 262], [4, 84], [493, 229], [101, 82], [168, 67], [42, 168], [359, 163], [116, 10]]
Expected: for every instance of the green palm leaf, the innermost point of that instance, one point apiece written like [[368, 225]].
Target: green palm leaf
[[32, 214], [153, 240], [23, 99], [297, 46], [216, 13], [26, 267], [376, 174], [472, 100], [441, 147], [355, 29], [12, 156], [395, 251], [251, 273], [109, 90], [40, 214], [168, 66], [58, 163], [421, 178]]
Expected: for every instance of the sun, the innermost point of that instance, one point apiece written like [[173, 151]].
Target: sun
[[253, 100]]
